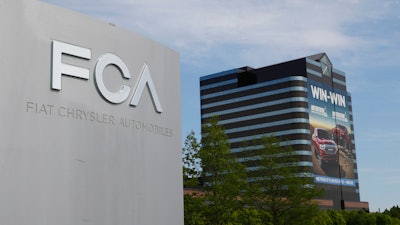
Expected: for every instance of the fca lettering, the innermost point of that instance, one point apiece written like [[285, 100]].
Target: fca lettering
[[59, 69]]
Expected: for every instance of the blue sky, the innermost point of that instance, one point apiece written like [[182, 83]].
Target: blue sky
[[361, 38]]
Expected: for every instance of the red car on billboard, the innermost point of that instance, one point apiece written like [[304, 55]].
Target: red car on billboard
[[341, 135], [324, 146]]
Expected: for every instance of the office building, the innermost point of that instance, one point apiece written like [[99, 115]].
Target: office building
[[305, 104]]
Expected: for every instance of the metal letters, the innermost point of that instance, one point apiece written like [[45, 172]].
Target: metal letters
[[59, 69]]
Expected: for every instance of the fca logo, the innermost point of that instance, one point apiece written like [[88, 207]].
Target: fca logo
[[59, 69]]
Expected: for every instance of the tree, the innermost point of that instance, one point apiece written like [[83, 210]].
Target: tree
[[191, 161], [361, 217], [394, 221], [393, 212], [224, 177], [382, 219], [251, 216], [323, 218], [194, 207], [336, 217], [281, 189], [194, 203]]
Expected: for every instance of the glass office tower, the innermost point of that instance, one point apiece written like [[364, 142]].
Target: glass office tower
[[305, 104]]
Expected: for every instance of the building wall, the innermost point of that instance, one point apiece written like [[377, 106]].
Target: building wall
[[70, 153], [275, 100]]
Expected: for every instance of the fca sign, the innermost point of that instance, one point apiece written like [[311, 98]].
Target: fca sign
[[59, 68]]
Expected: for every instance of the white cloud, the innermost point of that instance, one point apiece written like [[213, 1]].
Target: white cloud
[[196, 27], [282, 27]]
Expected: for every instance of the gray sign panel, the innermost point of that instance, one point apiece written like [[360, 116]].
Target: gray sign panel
[[89, 122]]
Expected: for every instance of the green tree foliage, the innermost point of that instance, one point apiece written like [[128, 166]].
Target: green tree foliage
[[224, 177], [191, 161], [280, 197], [281, 190], [350, 217], [194, 203], [394, 221], [382, 219], [393, 212], [251, 216], [358, 217], [336, 217], [194, 207], [322, 218]]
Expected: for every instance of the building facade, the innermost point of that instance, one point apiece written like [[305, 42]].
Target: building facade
[[305, 104]]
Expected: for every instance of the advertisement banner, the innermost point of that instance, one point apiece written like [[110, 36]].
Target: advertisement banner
[[333, 156]]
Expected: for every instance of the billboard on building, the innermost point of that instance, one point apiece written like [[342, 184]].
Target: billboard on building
[[331, 144], [89, 123]]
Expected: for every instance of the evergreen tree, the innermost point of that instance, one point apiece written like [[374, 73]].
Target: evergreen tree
[[382, 219], [194, 210], [336, 217], [361, 217], [224, 177], [281, 188], [393, 212], [191, 161], [323, 218]]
